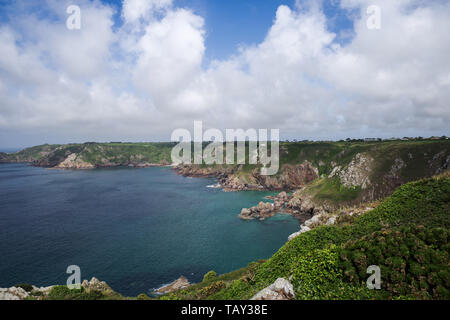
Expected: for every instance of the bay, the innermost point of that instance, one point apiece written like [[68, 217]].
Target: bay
[[136, 229]]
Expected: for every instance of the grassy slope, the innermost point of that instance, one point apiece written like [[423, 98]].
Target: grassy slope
[[128, 152], [407, 236], [96, 153], [30, 154]]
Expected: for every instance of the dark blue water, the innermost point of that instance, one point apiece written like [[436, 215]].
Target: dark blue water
[[136, 229]]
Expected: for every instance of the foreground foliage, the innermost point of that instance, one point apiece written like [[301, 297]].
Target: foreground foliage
[[406, 236]]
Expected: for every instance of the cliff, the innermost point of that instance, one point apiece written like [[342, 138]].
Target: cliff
[[406, 236], [326, 174], [93, 155]]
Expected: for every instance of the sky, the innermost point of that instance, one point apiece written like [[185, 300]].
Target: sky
[[137, 70]]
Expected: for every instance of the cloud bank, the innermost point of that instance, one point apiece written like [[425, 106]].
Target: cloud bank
[[143, 79]]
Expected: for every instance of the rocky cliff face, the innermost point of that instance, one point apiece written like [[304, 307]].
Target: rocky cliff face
[[181, 283], [363, 179], [356, 173], [291, 177], [74, 161], [230, 178]]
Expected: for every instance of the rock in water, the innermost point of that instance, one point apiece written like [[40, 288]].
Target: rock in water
[[180, 283], [281, 289]]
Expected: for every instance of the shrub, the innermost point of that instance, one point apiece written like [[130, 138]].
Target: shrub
[[64, 293], [210, 275], [143, 296]]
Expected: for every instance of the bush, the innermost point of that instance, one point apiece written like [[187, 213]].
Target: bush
[[143, 296], [210, 275], [64, 293]]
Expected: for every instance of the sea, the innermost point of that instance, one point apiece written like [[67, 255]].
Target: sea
[[135, 228]]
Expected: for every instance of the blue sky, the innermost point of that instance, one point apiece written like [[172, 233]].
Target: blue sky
[[229, 23], [232, 23]]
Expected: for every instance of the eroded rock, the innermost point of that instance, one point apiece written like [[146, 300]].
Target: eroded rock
[[281, 289], [181, 283], [356, 173]]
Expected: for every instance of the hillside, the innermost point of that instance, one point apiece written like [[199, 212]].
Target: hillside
[[93, 155], [406, 236], [328, 174], [334, 174]]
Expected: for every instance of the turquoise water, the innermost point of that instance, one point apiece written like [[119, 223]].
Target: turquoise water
[[136, 229]]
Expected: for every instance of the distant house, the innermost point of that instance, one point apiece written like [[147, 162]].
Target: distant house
[[370, 139]]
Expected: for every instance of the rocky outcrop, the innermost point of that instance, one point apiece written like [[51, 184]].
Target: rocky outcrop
[[262, 211], [440, 161], [13, 293], [280, 200], [302, 203], [303, 229], [290, 177], [17, 293], [74, 161], [197, 171], [329, 218], [265, 210], [180, 283], [356, 173], [96, 285], [281, 289]]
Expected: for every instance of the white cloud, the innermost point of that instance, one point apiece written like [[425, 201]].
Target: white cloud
[[148, 77], [169, 54], [133, 10]]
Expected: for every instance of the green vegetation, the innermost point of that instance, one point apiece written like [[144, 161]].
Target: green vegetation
[[64, 293], [210, 275], [127, 153], [324, 154], [406, 236], [97, 154], [326, 189]]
